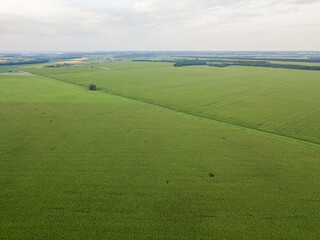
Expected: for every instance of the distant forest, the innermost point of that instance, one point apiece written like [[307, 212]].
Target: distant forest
[[33, 61], [226, 63], [310, 60]]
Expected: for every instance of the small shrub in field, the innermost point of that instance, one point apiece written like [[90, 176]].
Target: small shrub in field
[[92, 87]]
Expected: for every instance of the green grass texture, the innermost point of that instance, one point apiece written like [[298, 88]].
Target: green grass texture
[[282, 101], [77, 164]]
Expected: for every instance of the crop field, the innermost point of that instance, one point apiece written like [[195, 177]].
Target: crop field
[[8, 69], [77, 164], [281, 101], [299, 63]]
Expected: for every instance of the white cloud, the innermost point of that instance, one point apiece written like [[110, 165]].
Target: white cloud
[[159, 25]]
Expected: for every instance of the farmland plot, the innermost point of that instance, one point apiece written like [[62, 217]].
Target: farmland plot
[[77, 164], [281, 101]]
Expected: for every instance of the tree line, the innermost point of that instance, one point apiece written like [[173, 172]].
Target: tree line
[[33, 61], [226, 63]]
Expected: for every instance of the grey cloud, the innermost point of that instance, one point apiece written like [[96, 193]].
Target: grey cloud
[[161, 22]]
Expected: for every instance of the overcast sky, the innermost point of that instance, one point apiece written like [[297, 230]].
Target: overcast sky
[[83, 25]]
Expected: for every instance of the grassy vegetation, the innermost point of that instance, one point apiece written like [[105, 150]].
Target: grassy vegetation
[[9, 69], [77, 164], [281, 101], [300, 63]]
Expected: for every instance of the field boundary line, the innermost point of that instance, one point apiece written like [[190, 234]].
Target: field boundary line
[[269, 133]]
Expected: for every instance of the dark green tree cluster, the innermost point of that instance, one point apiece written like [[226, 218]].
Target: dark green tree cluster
[[188, 62], [34, 61], [92, 87], [265, 64], [226, 63], [58, 65]]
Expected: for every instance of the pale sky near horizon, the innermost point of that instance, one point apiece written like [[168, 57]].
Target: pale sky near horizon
[[218, 25]]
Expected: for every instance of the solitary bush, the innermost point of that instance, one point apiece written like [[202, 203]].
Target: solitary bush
[[92, 87]]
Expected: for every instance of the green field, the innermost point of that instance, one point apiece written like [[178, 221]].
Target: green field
[[297, 63], [77, 164], [9, 69], [282, 101]]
